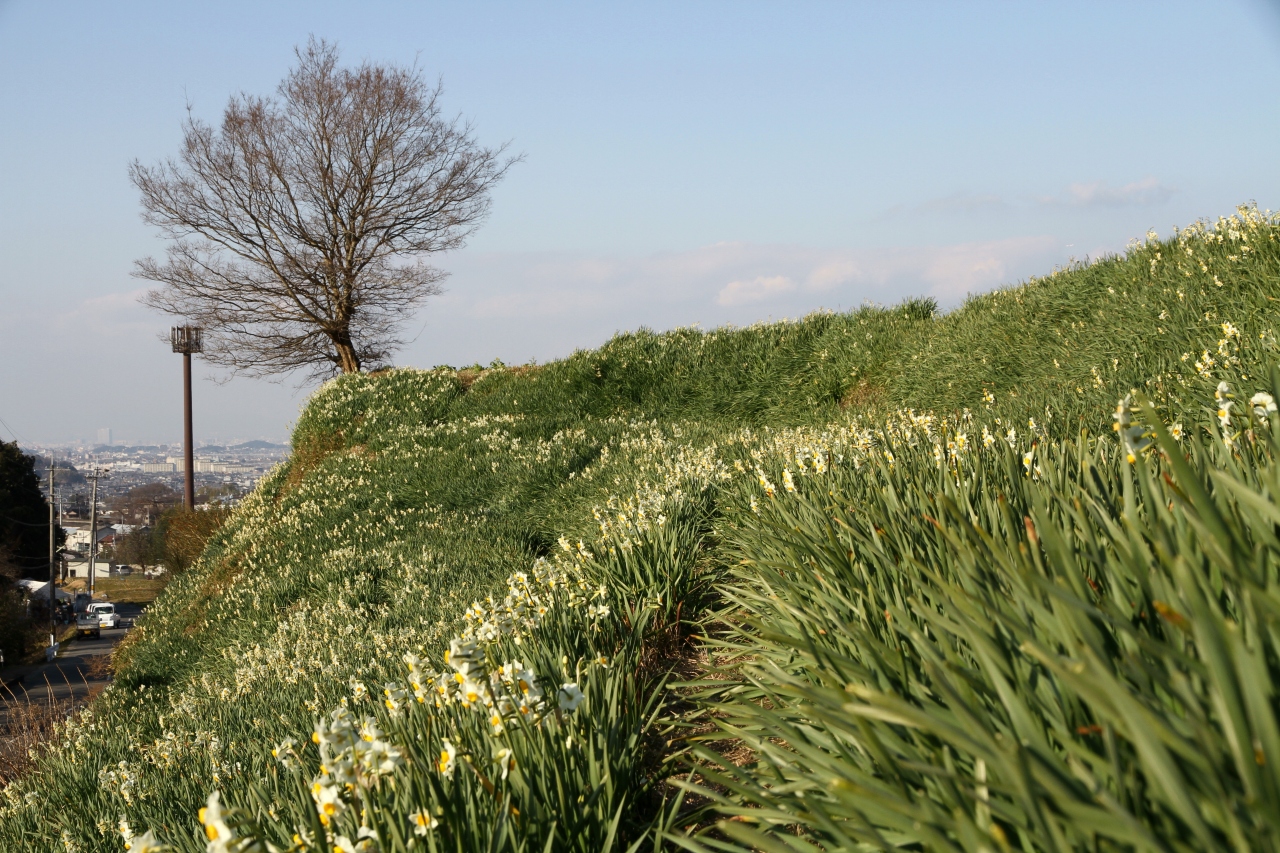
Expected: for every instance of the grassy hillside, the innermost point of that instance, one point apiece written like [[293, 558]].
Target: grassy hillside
[[853, 487]]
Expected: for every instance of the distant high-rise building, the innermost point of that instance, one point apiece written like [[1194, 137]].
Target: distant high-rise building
[[104, 436]]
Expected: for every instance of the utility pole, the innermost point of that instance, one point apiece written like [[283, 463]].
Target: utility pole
[[62, 565], [53, 572], [187, 340], [93, 529]]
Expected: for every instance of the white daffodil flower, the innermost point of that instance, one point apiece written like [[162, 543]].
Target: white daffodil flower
[[422, 822], [448, 759], [570, 696]]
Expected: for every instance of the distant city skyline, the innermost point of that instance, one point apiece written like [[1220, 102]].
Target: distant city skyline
[[128, 467], [685, 164], [127, 442]]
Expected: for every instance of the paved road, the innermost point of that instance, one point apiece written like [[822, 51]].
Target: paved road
[[72, 674]]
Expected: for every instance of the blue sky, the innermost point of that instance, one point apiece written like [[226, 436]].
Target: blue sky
[[685, 163]]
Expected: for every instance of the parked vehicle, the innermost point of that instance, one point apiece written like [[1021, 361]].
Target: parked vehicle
[[88, 625]]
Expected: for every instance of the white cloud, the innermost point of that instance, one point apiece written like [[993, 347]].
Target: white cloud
[[755, 290], [954, 271], [832, 275]]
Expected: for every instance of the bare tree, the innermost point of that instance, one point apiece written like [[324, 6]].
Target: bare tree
[[300, 226]]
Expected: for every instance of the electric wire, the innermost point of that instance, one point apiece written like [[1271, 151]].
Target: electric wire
[[11, 432]]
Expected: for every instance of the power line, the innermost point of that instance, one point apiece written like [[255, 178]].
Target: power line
[[11, 432], [24, 523], [28, 564]]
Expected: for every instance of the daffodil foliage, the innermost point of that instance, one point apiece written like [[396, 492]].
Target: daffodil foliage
[[969, 652]]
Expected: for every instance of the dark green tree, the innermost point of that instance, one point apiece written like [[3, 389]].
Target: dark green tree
[[24, 516]]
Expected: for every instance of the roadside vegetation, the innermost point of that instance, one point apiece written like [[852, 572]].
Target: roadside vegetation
[[24, 553], [25, 726], [166, 533], [917, 589]]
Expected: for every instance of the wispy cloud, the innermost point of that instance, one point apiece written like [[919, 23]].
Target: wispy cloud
[[110, 314], [956, 203], [718, 283], [543, 305], [756, 290], [963, 202], [1145, 193]]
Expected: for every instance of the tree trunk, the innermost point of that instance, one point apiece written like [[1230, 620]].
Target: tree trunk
[[348, 361]]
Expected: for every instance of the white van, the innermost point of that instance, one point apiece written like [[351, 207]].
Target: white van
[[106, 612]]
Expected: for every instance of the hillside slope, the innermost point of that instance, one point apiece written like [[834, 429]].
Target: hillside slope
[[593, 494]]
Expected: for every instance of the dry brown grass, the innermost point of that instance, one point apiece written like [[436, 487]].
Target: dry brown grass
[[224, 574], [307, 456], [100, 667], [864, 395], [26, 724], [187, 532]]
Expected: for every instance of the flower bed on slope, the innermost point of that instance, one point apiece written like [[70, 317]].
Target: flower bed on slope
[[468, 743], [414, 506]]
